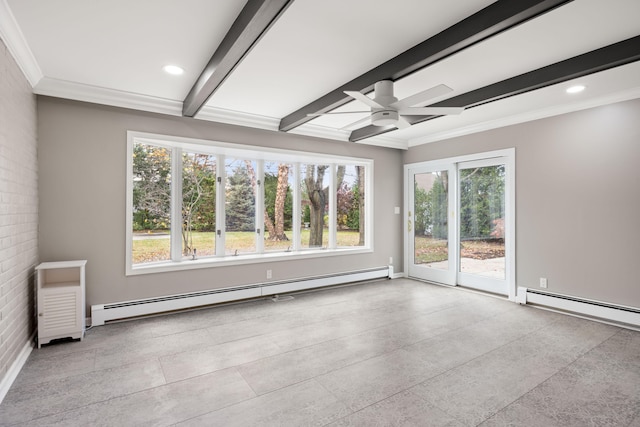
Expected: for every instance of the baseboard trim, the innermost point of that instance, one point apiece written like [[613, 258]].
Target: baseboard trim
[[15, 368], [594, 310]]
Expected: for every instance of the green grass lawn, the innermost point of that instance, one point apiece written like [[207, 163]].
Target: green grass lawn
[[158, 249], [428, 249]]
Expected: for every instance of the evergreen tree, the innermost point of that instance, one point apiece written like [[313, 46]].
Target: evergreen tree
[[151, 187], [240, 207], [481, 201], [439, 207]]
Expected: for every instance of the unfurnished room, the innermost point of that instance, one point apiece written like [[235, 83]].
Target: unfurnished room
[[328, 213]]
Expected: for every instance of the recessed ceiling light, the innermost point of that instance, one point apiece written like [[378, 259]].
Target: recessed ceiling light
[[576, 89], [173, 69]]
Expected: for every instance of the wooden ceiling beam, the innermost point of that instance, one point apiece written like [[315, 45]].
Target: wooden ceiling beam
[[252, 23], [488, 22], [614, 55]]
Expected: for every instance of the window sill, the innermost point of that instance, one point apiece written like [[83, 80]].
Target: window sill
[[227, 261]]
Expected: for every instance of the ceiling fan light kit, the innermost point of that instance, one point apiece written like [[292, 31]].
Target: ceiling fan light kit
[[384, 117]]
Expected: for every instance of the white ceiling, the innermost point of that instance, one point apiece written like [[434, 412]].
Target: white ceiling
[[113, 53]]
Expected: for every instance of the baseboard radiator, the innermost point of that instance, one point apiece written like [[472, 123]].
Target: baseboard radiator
[[595, 309], [103, 313]]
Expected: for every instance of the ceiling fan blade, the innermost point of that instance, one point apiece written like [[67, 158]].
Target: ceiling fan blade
[[422, 97], [366, 120], [402, 123], [337, 112], [431, 111], [363, 98]]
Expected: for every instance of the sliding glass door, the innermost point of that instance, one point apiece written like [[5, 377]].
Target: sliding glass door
[[428, 224], [459, 222], [481, 225]]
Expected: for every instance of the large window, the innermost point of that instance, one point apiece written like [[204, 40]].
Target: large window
[[194, 203]]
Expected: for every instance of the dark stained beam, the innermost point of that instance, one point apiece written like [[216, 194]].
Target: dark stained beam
[[486, 23], [617, 54], [252, 23]]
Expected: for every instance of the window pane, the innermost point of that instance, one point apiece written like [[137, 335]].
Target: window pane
[[278, 206], [240, 210], [350, 205], [314, 180], [431, 229], [482, 206], [198, 205], [151, 203]]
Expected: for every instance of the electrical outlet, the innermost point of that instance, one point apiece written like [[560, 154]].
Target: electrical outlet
[[543, 282], [269, 274], [390, 260]]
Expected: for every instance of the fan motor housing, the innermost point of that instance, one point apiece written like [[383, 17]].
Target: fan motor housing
[[384, 117]]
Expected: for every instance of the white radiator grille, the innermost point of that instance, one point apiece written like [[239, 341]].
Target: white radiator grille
[[59, 311]]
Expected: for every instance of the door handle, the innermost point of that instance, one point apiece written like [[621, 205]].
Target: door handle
[[409, 226]]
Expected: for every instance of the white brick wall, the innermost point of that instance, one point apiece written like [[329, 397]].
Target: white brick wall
[[18, 210]]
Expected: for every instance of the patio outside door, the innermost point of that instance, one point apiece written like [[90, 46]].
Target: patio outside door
[[431, 245], [459, 223]]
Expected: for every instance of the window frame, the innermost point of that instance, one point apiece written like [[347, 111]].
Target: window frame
[[260, 155]]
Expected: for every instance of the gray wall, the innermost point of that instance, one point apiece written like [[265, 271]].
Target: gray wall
[[577, 198], [18, 210], [82, 199]]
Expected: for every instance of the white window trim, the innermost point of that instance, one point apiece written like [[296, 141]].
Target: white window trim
[[222, 149]]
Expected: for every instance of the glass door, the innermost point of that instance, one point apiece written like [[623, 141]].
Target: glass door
[[459, 223], [428, 224], [481, 225]]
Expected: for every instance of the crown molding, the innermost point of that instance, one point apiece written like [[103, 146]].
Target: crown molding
[[317, 131], [115, 98], [99, 95], [221, 115], [231, 117], [17, 45], [528, 116], [343, 135], [382, 141]]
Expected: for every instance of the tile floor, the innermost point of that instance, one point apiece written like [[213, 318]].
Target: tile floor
[[391, 353]]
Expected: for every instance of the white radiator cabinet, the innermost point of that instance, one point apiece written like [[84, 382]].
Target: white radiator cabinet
[[61, 300]]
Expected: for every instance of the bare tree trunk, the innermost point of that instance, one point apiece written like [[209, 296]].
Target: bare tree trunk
[[318, 199], [254, 184], [281, 196], [340, 176], [361, 196]]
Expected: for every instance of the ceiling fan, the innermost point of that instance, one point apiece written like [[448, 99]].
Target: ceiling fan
[[387, 110]]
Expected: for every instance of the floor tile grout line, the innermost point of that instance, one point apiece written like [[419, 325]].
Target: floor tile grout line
[[397, 341], [497, 348], [97, 402], [255, 395], [483, 354], [469, 361], [146, 390], [323, 342], [404, 348], [343, 366], [558, 371], [266, 335]]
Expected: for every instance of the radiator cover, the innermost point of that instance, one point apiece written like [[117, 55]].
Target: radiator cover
[[102, 313]]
